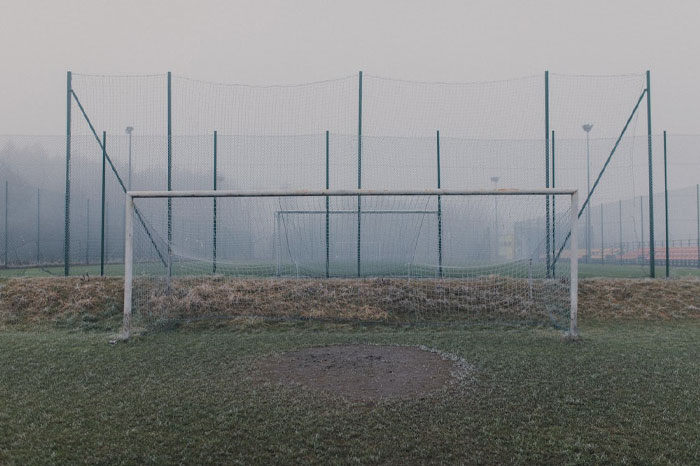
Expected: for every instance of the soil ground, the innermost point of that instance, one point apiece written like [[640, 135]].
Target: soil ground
[[360, 372]]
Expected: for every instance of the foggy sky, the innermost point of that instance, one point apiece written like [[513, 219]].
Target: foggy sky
[[285, 41]]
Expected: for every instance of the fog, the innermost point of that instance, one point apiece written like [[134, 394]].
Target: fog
[[271, 78]]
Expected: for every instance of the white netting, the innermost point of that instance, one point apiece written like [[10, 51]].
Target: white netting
[[395, 258]]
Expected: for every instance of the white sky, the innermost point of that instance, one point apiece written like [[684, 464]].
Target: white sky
[[292, 41]]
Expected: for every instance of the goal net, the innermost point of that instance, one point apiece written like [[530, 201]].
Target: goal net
[[434, 256]]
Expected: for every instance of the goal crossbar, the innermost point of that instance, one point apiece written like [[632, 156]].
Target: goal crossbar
[[132, 195]]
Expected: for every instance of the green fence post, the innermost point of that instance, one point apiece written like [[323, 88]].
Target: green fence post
[[602, 238], [328, 225], [170, 159], [38, 225], [214, 224], [102, 221], [620, 225], [554, 212], [66, 234], [652, 257], [668, 255], [439, 212], [641, 210], [87, 235], [359, 176], [546, 164], [7, 230]]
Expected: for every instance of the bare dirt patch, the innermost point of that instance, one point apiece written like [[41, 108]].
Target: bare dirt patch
[[362, 372]]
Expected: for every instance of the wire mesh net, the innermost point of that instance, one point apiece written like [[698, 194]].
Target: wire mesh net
[[403, 259], [491, 135]]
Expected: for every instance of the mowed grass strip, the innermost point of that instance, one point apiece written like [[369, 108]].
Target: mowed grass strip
[[627, 394]]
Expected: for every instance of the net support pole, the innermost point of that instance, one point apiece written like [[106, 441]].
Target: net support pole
[[102, 221], [38, 225], [641, 221], [620, 225], [66, 234], [214, 213], [697, 237], [668, 246], [278, 242], [439, 206], [573, 289], [602, 237], [128, 264], [328, 232], [546, 164], [170, 186], [87, 234], [7, 230], [652, 257], [359, 177], [554, 213]]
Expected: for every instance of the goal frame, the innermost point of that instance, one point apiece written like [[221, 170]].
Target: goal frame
[[131, 210]]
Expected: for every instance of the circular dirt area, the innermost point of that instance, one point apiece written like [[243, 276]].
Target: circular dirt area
[[361, 372]]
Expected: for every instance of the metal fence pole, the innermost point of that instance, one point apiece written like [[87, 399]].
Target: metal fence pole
[[602, 237], [170, 158], [102, 221], [328, 232], [38, 225], [439, 212], [214, 220], [87, 235], [668, 264], [697, 205], [620, 225], [554, 211], [641, 210], [652, 257], [359, 177], [7, 230], [66, 234], [546, 164]]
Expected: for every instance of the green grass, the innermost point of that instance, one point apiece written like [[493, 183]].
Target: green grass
[[585, 270], [628, 393]]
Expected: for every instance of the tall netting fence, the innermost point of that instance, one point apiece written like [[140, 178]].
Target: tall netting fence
[[370, 132], [403, 259]]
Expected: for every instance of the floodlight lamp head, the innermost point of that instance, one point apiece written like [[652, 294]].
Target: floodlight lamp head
[[495, 179], [587, 127], [129, 129]]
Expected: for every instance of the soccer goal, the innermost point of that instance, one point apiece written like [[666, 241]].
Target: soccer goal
[[402, 256]]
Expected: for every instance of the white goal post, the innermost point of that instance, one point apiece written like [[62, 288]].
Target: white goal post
[[132, 212]]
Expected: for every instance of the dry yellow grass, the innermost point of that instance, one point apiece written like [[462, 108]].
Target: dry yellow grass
[[35, 301]]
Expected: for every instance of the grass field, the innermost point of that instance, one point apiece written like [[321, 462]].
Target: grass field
[[585, 271], [627, 393]]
